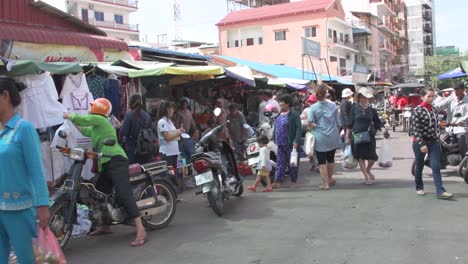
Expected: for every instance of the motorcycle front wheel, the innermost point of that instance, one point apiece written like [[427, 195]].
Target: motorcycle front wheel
[[58, 222], [167, 205], [215, 196]]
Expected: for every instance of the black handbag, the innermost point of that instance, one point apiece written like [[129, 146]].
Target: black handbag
[[365, 136]]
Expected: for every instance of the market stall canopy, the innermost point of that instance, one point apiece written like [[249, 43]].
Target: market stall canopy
[[296, 84], [279, 71], [141, 65], [241, 73], [173, 70], [455, 73], [24, 67], [117, 70], [408, 85]]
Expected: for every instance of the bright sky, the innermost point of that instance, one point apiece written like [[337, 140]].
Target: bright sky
[[198, 19]]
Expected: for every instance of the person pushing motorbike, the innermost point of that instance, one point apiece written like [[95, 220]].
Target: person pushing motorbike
[[457, 114], [113, 172]]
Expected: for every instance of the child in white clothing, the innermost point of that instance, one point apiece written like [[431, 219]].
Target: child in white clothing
[[264, 165]]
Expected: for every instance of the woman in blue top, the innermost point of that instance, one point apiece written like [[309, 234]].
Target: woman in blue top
[[325, 120], [23, 189]]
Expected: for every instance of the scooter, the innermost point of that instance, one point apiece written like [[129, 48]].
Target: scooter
[[215, 169], [151, 184], [252, 149]]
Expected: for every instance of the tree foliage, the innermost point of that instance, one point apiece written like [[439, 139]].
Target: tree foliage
[[437, 65]]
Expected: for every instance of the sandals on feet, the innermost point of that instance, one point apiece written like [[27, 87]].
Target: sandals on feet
[[141, 242], [323, 188], [252, 188], [267, 190]]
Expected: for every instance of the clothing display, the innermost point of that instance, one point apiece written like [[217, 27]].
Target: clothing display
[[98, 86], [40, 103], [74, 83], [78, 101], [113, 94]]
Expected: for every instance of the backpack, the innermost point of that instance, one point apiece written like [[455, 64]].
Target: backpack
[[145, 141]]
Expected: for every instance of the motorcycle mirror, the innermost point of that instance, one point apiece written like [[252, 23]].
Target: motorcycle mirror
[[62, 134], [185, 135], [217, 111], [268, 114], [109, 142], [457, 115]]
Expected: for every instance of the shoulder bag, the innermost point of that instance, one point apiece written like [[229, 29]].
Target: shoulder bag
[[365, 136]]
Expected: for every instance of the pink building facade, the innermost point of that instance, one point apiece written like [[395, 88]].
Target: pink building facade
[[274, 35]]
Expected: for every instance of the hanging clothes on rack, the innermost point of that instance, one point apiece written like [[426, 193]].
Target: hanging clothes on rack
[[40, 103], [74, 83], [113, 94], [98, 85]]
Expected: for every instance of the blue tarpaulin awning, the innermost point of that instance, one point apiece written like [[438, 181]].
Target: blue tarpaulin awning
[[455, 73], [280, 71]]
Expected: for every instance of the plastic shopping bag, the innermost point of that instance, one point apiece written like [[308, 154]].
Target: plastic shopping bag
[[47, 249], [385, 155], [294, 158], [349, 162], [309, 144]]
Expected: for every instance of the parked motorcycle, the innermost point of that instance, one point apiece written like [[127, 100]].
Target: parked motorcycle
[[216, 169], [151, 184]]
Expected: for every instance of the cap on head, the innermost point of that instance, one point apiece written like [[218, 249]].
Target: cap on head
[[346, 93]]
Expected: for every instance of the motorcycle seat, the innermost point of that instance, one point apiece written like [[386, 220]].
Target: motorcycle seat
[[134, 170]]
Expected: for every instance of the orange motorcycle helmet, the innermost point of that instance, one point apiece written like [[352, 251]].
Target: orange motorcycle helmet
[[101, 106]]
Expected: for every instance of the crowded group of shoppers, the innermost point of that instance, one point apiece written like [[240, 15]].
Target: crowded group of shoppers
[[24, 196]]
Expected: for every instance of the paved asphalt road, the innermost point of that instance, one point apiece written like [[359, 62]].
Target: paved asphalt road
[[352, 224]]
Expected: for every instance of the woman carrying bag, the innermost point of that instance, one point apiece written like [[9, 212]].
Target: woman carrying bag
[[363, 122]]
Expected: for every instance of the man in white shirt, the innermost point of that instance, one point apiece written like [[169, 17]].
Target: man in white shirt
[[261, 115], [457, 114]]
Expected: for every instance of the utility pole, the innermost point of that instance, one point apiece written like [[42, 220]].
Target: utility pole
[[177, 20]]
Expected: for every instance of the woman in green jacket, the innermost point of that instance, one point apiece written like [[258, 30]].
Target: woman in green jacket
[[113, 171]]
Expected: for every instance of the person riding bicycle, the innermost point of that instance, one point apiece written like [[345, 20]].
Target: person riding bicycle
[[457, 114], [113, 171]]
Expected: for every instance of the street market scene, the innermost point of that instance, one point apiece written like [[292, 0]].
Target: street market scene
[[237, 131]]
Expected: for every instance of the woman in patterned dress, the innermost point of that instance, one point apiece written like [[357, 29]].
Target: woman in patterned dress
[[287, 135]]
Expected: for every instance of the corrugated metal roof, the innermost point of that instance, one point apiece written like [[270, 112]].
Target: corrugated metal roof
[[265, 12], [37, 34]]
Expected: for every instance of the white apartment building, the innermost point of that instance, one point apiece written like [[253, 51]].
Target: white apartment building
[[112, 16], [421, 33]]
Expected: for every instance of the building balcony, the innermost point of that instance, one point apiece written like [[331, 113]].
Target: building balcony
[[428, 52], [363, 48], [114, 25], [385, 5], [124, 3], [387, 48], [427, 28], [346, 44], [387, 25], [427, 39], [427, 15]]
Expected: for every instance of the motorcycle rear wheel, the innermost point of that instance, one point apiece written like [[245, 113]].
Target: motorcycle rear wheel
[[166, 195], [215, 196], [57, 224], [463, 169]]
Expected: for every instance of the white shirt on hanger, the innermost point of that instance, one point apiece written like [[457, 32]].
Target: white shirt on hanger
[[78, 101], [40, 103], [73, 83]]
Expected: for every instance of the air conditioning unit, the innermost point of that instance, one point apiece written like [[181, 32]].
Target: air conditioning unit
[[91, 7]]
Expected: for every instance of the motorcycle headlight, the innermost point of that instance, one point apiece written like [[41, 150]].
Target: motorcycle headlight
[[77, 154]]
